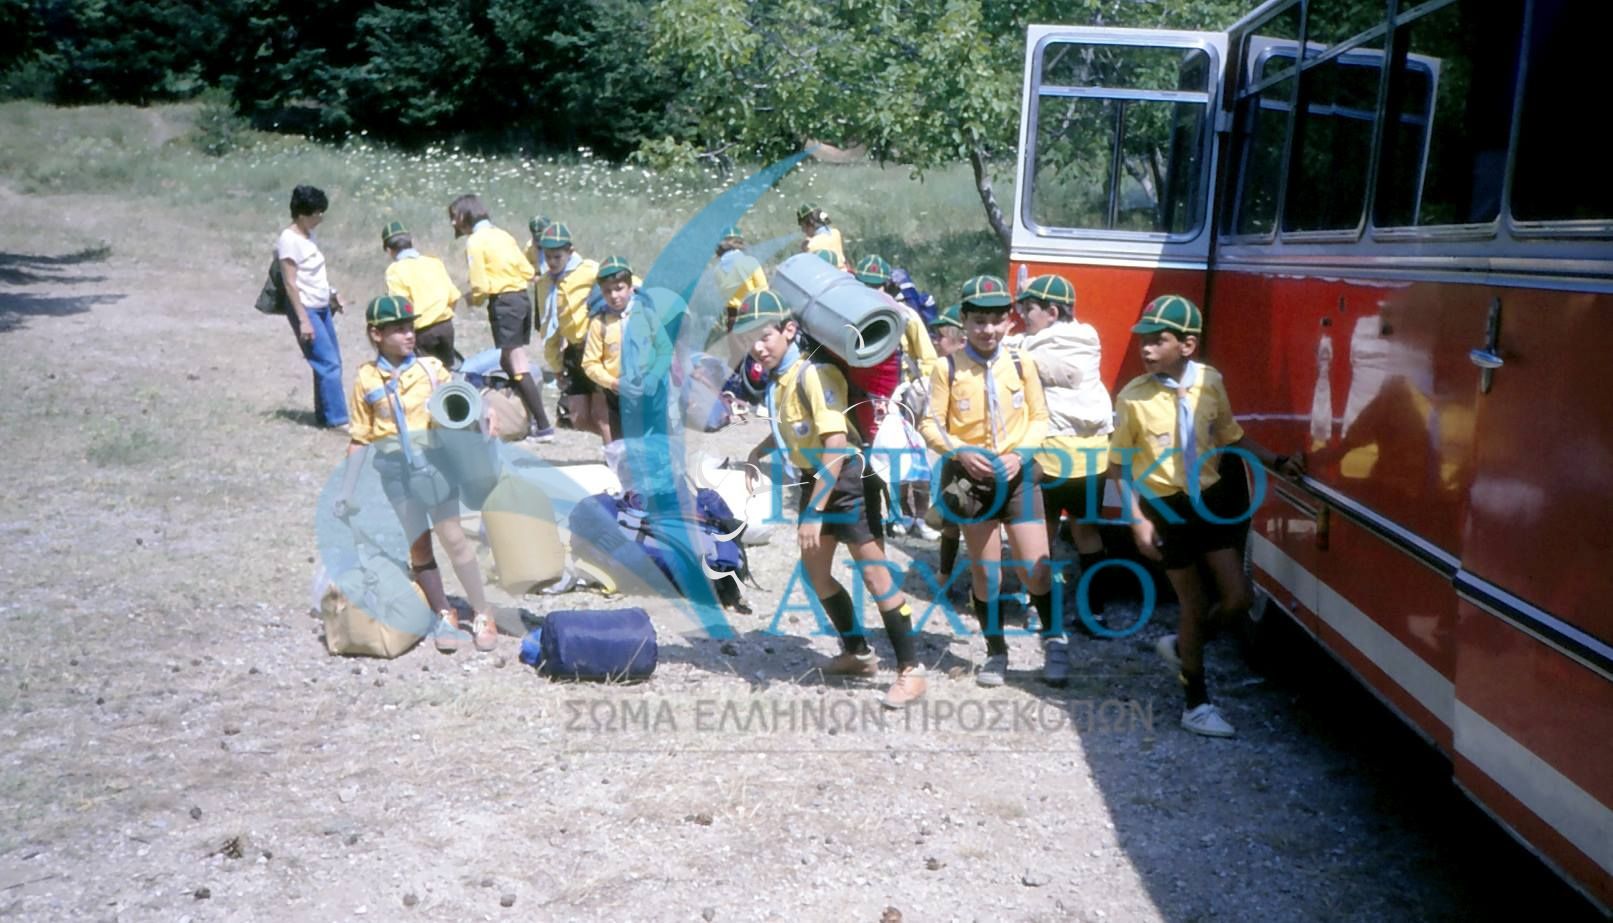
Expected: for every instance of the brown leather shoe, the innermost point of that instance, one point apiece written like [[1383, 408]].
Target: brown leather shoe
[[849, 664], [909, 687]]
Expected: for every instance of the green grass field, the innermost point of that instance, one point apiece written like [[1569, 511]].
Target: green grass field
[[934, 227]]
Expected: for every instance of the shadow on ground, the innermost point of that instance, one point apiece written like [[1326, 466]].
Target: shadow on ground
[[54, 272]]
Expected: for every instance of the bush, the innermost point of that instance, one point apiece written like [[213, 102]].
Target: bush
[[218, 130]]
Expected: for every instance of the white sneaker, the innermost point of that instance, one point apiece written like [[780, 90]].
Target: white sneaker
[[1207, 720], [1166, 648], [1056, 662], [897, 528], [925, 531], [994, 672]]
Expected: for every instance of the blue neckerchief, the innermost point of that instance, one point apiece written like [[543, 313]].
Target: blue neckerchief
[[822, 229], [481, 225], [791, 357], [392, 375], [407, 254], [551, 303], [1185, 437], [993, 412]]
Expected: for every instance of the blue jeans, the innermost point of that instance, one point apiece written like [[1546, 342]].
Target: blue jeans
[[324, 356]]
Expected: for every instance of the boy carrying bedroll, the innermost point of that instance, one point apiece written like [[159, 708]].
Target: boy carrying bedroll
[[391, 422], [1168, 423], [806, 403], [986, 415]]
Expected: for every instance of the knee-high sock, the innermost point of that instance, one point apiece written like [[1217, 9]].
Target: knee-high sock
[[899, 626], [532, 397], [838, 606], [949, 554], [1043, 603], [994, 633]]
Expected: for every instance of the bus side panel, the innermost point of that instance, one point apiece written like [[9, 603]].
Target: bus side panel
[[1541, 521], [1540, 527], [1535, 723], [1111, 298]]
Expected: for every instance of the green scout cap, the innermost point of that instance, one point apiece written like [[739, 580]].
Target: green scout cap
[[759, 309], [392, 229], [555, 236], [985, 292], [388, 309], [537, 224], [1054, 289], [949, 316], [1173, 313], [732, 233], [873, 271], [613, 265], [830, 257], [808, 210]]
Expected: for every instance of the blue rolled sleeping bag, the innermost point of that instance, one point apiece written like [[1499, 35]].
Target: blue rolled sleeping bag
[[604, 644]]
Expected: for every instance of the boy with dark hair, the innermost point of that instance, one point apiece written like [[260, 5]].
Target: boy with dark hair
[[1075, 453], [563, 291], [391, 420], [806, 404], [607, 331], [423, 282], [818, 236], [986, 414], [313, 303], [499, 274], [1167, 422]]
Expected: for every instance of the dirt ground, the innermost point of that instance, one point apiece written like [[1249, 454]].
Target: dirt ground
[[178, 745]]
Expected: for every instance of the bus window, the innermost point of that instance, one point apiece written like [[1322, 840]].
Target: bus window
[[1119, 136], [1262, 130], [1261, 123], [1561, 171], [1450, 114], [1333, 143]]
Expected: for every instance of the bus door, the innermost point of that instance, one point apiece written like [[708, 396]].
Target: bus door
[[1116, 171]]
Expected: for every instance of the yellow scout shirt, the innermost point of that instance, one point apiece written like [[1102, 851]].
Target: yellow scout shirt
[[1070, 458], [961, 415], [807, 406], [371, 410], [424, 281], [828, 238], [497, 264], [570, 306], [1145, 420], [602, 349], [916, 345], [738, 275]]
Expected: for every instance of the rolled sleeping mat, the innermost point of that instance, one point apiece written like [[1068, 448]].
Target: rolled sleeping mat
[[520, 525], [859, 324], [461, 451]]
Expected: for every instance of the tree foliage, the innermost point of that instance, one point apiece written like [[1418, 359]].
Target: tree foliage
[[922, 83]]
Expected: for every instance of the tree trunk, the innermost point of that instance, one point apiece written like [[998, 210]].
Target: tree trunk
[[988, 198]]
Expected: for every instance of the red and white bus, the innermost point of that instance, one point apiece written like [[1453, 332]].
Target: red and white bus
[[1399, 222]]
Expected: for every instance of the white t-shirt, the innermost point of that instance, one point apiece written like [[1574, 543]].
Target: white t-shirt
[[312, 285]]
